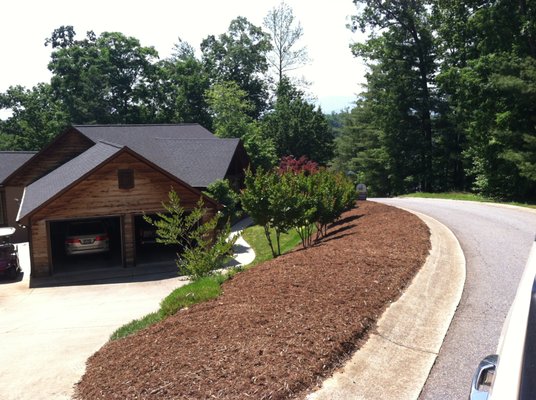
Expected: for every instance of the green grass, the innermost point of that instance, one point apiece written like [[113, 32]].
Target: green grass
[[195, 292], [465, 196], [255, 237]]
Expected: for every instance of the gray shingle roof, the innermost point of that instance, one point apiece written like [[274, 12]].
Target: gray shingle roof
[[199, 162], [12, 160], [42, 190], [187, 151], [143, 133]]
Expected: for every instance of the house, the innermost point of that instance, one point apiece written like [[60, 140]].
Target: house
[[10, 196], [116, 174]]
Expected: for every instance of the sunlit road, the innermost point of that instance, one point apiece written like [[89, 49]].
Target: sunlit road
[[496, 242]]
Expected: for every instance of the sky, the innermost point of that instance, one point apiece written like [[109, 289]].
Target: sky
[[335, 74]]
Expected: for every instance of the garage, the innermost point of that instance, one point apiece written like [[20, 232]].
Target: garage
[[148, 250], [107, 189], [85, 244]]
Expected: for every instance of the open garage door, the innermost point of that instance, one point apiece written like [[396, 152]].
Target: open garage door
[[85, 244], [148, 251]]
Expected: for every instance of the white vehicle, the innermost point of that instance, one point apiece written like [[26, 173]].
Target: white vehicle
[[86, 238], [511, 373]]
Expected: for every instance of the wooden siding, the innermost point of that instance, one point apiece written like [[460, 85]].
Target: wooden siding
[[39, 240], [68, 146], [129, 241], [99, 195]]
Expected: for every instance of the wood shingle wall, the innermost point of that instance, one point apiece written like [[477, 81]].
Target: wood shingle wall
[[98, 195]]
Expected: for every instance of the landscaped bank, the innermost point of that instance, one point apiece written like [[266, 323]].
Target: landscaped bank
[[279, 327]]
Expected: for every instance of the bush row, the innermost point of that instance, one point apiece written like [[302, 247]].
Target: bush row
[[289, 198]]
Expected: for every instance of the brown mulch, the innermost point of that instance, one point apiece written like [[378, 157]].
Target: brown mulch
[[278, 329]]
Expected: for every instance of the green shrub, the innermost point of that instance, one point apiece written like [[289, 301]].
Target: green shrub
[[296, 199], [221, 191], [205, 247], [209, 253]]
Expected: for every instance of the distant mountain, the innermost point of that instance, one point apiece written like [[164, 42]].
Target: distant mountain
[[336, 103]]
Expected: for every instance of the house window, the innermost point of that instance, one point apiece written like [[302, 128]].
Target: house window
[[3, 215], [125, 178]]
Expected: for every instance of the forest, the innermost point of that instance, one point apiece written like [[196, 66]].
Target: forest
[[449, 102]]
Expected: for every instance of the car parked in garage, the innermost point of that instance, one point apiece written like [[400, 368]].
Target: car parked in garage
[[87, 237], [510, 374]]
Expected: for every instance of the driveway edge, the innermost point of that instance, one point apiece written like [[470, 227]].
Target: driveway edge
[[397, 358]]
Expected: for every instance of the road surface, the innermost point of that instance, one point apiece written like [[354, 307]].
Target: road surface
[[496, 242]]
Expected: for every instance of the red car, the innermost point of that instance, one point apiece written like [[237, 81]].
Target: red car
[[9, 259]]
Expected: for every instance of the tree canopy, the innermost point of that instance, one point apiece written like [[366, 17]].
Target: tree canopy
[[449, 100], [112, 78]]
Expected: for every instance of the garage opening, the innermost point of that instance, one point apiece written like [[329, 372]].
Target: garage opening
[[148, 250], [86, 244]]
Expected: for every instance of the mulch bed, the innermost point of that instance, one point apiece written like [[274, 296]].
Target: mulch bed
[[279, 328]]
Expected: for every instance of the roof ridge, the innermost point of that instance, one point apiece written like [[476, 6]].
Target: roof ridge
[[130, 125], [112, 144], [182, 139], [18, 152]]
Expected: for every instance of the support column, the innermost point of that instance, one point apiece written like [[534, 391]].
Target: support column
[[129, 241]]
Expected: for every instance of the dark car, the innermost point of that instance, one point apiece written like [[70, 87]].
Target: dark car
[[9, 259], [87, 237], [146, 233]]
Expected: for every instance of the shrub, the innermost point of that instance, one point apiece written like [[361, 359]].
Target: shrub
[[205, 248], [221, 191], [296, 199]]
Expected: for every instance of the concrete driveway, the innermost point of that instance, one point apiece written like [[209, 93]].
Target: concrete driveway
[[46, 334]]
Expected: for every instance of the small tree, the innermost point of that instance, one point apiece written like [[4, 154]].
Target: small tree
[[204, 248], [334, 194], [283, 200], [305, 205], [256, 201], [221, 191]]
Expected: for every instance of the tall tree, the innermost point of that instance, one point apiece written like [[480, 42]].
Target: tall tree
[[487, 75], [360, 150], [180, 91], [401, 50], [239, 55], [285, 33], [296, 127], [104, 79], [36, 117], [230, 111]]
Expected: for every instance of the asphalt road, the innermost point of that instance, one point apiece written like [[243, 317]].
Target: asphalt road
[[496, 242]]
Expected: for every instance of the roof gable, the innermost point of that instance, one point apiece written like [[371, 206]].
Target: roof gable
[[41, 191], [10, 161], [187, 151], [49, 187]]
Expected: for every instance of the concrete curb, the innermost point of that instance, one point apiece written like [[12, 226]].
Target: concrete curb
[[395, 361]]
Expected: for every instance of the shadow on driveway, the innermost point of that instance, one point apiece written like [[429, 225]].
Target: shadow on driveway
[[139, 273]]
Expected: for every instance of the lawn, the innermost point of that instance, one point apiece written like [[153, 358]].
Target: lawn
[[256, 238], [465, 196]]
